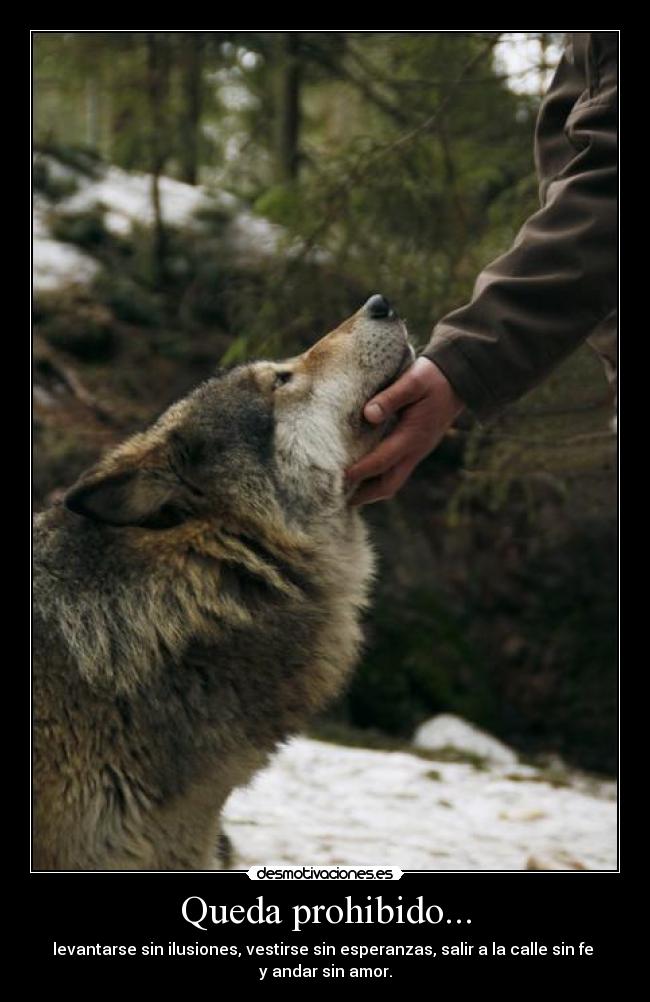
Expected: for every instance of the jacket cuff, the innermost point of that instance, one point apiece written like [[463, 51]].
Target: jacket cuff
[[445, 349]]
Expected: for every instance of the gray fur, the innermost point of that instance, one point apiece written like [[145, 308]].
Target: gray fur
[[197, 599]]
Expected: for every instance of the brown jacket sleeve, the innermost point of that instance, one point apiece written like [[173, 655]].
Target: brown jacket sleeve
[[534, 305]]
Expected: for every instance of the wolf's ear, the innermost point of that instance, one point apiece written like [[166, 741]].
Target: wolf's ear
[[133, 497]]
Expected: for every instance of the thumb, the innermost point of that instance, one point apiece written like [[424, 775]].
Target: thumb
[[406, 390]]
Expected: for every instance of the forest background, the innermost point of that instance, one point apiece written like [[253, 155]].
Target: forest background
[[205, 197]]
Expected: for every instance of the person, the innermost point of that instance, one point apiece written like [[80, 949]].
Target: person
[[555, 288]]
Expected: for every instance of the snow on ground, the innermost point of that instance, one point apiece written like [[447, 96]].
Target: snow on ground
[[327, 804], [448, 731], [55, 263], [126, 198], [253, 236]]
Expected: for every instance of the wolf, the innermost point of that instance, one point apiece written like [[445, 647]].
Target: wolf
[[197, 597]]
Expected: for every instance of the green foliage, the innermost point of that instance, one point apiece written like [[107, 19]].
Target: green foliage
[[567, 617], [77, 324], [86, 229], [419, 662], [77, 156], [129, 301], [282, 204], [93, 89], [47, 184], [415, 156]]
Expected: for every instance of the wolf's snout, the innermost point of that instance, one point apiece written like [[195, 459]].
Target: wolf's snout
[[379, 308]]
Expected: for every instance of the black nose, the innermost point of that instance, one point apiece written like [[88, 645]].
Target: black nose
[[377, 307]]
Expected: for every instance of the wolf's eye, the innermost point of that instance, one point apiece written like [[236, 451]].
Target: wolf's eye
[[282, 377]]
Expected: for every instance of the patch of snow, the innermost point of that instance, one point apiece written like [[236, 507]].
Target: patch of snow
[[249, 234], [325, 804], [57, 170], [125, 198], [40, 228], [55, 264], [448, 731]]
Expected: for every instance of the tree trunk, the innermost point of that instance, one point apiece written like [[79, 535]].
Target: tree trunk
[[544, 65], [287, 107], [157, 86], [192, 48], [92, 114]]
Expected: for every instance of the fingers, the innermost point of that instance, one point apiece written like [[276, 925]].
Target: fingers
[[406, 390], [385, 457], [427, 406], [385, 486]]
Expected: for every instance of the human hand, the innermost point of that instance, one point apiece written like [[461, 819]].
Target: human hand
[[426, 405]]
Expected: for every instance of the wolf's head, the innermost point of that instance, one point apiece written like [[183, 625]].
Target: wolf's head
[[260, 434]]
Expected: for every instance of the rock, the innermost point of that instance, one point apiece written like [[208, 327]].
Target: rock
[[447, 731], [530, 814], [557, 861]]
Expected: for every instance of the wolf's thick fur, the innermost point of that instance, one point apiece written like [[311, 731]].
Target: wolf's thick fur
[[196, 599]]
